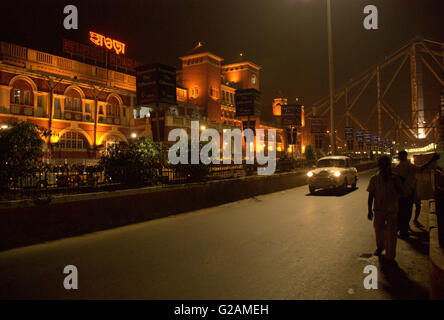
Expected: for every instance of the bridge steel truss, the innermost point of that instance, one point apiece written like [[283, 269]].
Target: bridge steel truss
[[415, 51]]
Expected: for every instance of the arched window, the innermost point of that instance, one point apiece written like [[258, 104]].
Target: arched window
[[22, 93], [113, 108], [73, 140], [73, 101]]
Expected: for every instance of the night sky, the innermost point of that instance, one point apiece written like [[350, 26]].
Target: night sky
[[288, 38]]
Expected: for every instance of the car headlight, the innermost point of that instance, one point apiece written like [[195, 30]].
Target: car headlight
[[310, 174], [337, 174]]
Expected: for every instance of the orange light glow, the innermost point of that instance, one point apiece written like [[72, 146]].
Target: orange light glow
[[110, 44]]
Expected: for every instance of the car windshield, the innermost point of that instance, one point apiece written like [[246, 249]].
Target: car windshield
[[325, 163]]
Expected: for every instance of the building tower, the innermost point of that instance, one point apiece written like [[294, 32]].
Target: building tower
[[201, 76]]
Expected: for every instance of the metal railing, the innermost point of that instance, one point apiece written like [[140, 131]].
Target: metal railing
[[74, 179]]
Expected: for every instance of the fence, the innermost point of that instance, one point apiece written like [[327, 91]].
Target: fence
[[65, 179]]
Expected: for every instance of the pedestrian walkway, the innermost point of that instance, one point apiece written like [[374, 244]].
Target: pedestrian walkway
[[411, 278]]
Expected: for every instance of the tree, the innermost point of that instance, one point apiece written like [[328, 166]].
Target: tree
[[21, 150], [135, 164]]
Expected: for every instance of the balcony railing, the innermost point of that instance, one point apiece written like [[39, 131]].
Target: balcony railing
[[84, 71], [22, 110]]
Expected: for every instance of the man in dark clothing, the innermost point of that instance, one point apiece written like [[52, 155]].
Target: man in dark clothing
[[408, 172]]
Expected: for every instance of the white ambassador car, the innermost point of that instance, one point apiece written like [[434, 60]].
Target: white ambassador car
[[332, 172]]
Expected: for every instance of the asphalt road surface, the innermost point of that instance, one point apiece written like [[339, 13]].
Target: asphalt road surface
[[285, 245]]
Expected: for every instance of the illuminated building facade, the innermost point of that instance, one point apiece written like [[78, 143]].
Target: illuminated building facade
[[61, 95], [88, 107], [212, 86]]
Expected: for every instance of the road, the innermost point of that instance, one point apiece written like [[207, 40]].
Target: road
[[285, 245]]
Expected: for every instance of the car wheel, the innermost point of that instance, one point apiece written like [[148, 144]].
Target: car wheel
[[312, 189], [355, 183]]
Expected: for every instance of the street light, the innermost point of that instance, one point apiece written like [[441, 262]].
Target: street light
[[330, 70]]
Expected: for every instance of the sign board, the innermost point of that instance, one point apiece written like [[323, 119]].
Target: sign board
[[348, 132], [157, 118], [318, 124], [291, 114], [248, 102], [108, 43], [99, 56], [156, 83]]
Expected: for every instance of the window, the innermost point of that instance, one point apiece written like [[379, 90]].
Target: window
[[17, 96], [325, 163], [112, 110], [68, 103], [194, 92], [77, 106], [101, 110], [27, 96], [124, 112], [87, 108], [57, 104], [39, 101], [72, 140]]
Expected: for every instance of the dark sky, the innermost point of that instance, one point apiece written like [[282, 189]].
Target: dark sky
[[288, 38]]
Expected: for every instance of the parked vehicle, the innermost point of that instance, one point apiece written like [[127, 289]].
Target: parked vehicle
[[332, 172]]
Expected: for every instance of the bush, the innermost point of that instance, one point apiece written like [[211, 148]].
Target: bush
[[192, 172], [135, 164]]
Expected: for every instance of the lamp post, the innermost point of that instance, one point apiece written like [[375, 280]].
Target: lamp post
[[330, 70]]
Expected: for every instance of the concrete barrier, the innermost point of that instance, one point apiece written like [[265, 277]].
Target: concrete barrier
[[23, 223]]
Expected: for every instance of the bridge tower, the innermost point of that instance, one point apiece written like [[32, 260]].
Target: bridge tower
[[416, 79]]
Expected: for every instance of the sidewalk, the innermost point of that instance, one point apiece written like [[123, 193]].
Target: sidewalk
[[411, 280]]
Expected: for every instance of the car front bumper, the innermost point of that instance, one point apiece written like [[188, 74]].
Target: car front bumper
[[325, 183]]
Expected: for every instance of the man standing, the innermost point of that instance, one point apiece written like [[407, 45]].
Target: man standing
[[408, 172], [385, 189]]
